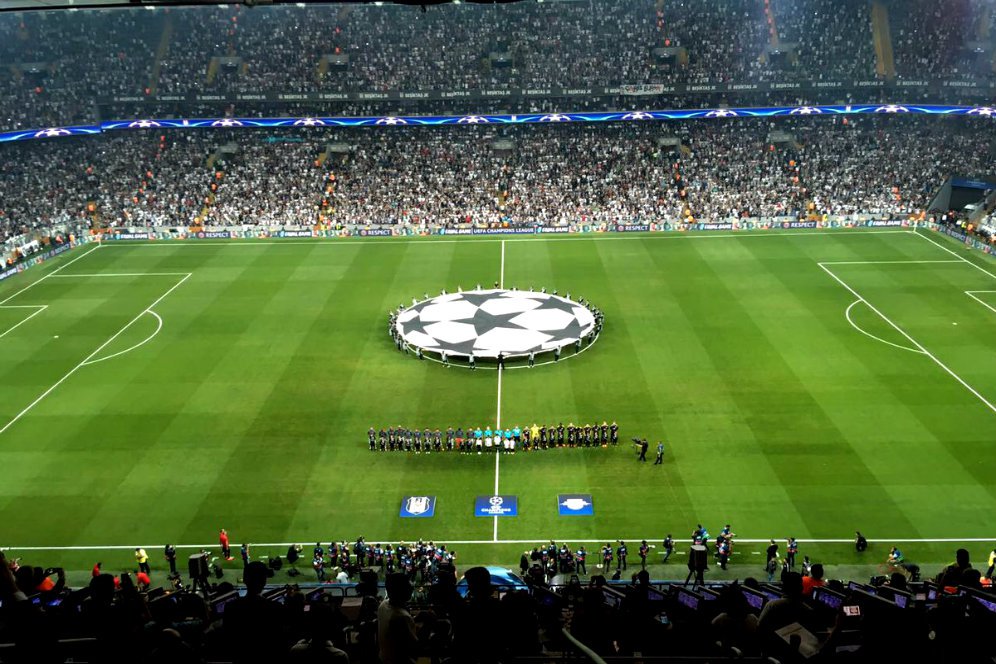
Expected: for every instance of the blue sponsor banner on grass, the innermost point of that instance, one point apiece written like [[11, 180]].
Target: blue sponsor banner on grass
[[575, 504], [418, 507], [496, 506]]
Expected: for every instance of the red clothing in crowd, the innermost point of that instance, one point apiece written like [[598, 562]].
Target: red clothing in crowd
[[808, 583]]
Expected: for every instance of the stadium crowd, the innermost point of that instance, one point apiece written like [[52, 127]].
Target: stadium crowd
[[54, 70], [427, 612], [715, 170]]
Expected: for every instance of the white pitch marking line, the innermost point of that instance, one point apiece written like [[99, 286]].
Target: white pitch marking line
[[662, 235], [131, 547], [955, 254], [501, 284], [913, 341], [971, 294], [159, 327], [40, 308], [92, 355], [847, 315], [50, 274], [885, 262], [121, 274]]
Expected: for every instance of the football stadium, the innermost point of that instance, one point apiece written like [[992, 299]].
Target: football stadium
[[528, 331]]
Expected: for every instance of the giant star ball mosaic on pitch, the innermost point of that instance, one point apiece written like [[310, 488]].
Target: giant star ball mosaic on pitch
[[488, 322]]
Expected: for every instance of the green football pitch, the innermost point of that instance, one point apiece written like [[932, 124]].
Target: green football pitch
[[806, 383]]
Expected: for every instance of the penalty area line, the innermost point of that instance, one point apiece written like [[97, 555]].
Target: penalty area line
[[50, 274], [132, 547], [913, 341], [970, 293], [38, 309], [92, 355]]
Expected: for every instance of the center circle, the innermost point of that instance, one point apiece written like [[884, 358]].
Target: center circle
[[493, 323]]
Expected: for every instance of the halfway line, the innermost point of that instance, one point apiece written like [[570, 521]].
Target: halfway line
[[501, 284]]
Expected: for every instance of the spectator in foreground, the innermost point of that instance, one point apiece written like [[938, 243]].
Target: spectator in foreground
[[318, 647], [951, 576], [814, 580], [396, 634], [253, 625]]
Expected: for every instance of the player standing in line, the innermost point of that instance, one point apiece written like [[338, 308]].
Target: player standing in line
[[614, 433], [488, 436], [372, 438], [604, 434]]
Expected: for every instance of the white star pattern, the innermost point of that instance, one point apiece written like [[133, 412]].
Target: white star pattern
[[492, 321]]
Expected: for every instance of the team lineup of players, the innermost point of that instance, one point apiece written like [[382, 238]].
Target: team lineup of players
[[506, 441]]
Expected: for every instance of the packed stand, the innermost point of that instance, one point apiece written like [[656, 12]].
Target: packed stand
[[484, 176], [54, 69], [834, 40], [929, 38], [724, 39]]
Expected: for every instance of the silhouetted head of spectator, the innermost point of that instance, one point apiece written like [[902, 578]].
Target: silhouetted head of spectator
[[792, 585], [961, 559], [816, 571], [255, 577], [399, 589], [478, 582], [102, 589], [897, 580], [643, 578], [971, 578]]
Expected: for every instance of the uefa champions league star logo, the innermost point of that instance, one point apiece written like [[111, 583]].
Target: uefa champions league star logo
[[892, 108], [486, 323], [473, 119], [391, 121], [52, 132], [983, 111], [227, 122], [496, 502], [555, 117], [144, 124], [805, 110], [638, 115], [721, 113], [309, 122]]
